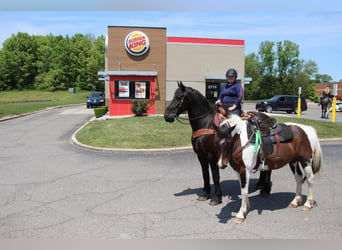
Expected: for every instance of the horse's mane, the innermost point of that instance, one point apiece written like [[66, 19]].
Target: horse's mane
[[203, 100]]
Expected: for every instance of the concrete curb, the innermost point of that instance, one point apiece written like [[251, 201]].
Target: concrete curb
[[6, 118], [74, 141]]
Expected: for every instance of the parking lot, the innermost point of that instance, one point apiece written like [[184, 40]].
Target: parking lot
[[52, 189]]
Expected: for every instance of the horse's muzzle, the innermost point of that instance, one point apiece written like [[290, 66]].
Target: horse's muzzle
[[170, 117]]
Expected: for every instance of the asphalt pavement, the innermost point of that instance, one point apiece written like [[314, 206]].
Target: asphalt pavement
[[53, 189]]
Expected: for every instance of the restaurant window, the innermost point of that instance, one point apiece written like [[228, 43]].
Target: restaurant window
[[125, 89]]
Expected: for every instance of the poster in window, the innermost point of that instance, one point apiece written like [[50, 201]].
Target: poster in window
[[140, 89], [123, 88]]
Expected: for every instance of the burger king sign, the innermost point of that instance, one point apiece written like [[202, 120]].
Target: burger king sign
[[137, 43]]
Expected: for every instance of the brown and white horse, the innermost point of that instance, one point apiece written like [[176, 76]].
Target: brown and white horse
[[302, 153]]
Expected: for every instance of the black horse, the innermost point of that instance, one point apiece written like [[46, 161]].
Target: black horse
[[201, 117], [325, 106]]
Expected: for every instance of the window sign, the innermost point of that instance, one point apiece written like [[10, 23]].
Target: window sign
[[140, 90], [123, 89]]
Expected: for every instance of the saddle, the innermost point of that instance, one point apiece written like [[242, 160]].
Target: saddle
[[271, 132]]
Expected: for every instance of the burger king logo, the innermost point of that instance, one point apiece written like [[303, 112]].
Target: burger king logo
[[137, 43]]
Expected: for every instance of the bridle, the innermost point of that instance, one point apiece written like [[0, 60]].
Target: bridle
[[179, 105]]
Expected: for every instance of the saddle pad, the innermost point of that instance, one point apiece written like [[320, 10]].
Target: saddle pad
[[283, 131]]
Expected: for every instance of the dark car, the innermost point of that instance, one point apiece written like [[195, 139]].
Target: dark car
[[95, 99], [286, 103]]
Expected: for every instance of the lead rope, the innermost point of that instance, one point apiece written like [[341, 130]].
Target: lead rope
[[258, 144]]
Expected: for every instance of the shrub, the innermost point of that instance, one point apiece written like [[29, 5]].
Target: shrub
[[139, 107], [100, 111]]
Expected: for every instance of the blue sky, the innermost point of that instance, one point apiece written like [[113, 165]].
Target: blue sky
[[315, 26]]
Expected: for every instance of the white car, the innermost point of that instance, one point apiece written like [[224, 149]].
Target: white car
[[338, 106]]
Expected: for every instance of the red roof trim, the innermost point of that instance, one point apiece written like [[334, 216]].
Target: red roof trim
[[205, 41]]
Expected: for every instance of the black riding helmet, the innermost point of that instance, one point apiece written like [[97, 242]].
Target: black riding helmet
[[231, 72]]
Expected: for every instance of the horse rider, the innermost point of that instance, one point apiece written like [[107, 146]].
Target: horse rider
[[326, 94], [231, 98], [231, 95]]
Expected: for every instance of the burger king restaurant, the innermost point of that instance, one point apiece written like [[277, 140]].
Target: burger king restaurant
[[142, 63]]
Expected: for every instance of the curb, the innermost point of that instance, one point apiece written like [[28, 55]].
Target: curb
[[6, 118], [74, 141]]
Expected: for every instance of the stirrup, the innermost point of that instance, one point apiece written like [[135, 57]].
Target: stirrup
[[261, 167]]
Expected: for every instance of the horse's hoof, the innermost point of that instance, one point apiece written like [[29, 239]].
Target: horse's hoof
[[203, 198], [292, 205], [238, 220], [264, 194], [215, 202], [306, 208]]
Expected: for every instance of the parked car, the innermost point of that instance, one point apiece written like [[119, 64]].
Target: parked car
[[338, 106], [95, 99], [287, 103]]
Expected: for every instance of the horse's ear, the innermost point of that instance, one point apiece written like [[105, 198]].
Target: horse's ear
[[181, 85]]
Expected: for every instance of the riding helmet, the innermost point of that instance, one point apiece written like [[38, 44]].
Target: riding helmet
[[231, 72]]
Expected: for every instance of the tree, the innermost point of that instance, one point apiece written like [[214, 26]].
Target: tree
[[253, 70], [18, 62], [51, 62], [322, 78], [277, 69]]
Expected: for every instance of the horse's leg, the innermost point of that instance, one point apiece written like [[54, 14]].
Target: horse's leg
[[217, 199], [299, 180], [322, 115], [309, 177], [204, 195], [244, 181], [264, 183]]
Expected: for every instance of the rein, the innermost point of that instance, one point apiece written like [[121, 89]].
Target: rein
[[189, 119], [241, 148], [193, 118], [203, 131]]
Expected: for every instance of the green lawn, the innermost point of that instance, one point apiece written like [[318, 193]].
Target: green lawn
[[19, 102], [136, 132], [153, 132]]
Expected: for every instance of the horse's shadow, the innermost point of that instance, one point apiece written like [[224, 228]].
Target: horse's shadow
[[231, 189]]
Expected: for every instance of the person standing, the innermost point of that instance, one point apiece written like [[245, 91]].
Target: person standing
[[232, 94]]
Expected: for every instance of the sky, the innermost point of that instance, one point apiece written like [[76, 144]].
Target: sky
[[315, 26]]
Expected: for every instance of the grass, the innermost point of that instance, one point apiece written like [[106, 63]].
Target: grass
[[144, 132], [136, 132], [20, 102], [153, 132], [325, 129]]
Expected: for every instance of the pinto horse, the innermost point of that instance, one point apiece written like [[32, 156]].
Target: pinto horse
[[325, 106], [302, 153]]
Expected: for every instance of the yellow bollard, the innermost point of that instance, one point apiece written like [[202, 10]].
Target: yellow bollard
[[299, 107], [333, 113]]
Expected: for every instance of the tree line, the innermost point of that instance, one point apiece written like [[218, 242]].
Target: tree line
[[51, 62], [57, 63], [277, 69]]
